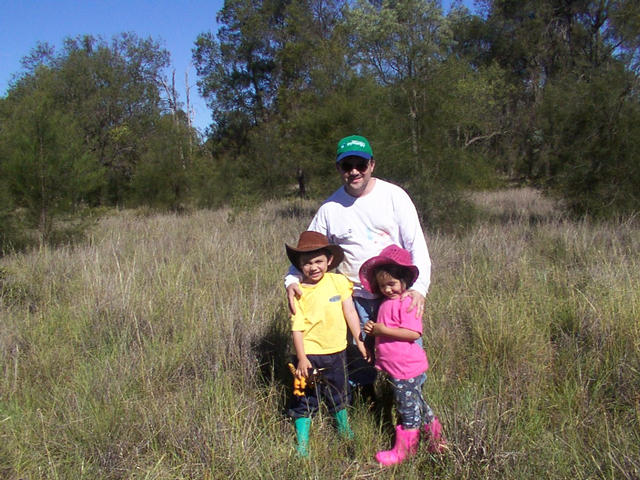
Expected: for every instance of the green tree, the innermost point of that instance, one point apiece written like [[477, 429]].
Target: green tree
[[9, 231], [161, 176], [319, 96], [113, 90], [44, 164], [591, 133], [272, 67], [401, 42], [236, 66], [539, 42]]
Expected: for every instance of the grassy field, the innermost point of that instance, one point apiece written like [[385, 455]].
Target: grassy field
[[156, 350]]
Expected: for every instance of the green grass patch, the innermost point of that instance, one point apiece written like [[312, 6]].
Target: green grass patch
[[155, 348]]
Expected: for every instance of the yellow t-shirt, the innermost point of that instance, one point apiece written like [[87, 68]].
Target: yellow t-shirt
[[319, 315]]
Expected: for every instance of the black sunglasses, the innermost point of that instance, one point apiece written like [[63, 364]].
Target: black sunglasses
[[348, 165]]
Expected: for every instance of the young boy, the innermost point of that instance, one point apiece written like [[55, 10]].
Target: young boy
[[319, 330]]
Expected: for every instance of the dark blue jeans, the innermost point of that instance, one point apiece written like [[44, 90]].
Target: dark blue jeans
[[360, 372], [331, 387]]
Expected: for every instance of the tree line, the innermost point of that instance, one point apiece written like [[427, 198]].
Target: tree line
[[543, 92]]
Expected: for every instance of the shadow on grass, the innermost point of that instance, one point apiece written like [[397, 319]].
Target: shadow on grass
[[274, 352]]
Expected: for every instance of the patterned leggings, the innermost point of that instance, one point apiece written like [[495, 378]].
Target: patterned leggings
[[410, 403]]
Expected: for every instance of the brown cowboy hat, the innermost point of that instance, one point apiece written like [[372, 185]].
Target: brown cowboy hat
[[310, 241]]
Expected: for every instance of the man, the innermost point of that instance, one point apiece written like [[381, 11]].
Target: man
[[364, 216]]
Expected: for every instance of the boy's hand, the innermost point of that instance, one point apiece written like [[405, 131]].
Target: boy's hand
[[293, 292], [303, 367], [363, 350], [369, 357]]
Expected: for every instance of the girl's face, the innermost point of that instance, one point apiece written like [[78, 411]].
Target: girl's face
[[389, 286]]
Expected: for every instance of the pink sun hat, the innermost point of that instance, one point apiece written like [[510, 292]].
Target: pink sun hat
[[391, 255]]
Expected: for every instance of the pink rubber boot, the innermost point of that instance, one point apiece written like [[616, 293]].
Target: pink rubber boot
[[435, 441], [406, 445]]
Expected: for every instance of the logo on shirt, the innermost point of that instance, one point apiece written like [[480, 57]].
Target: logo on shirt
[[335, 299]]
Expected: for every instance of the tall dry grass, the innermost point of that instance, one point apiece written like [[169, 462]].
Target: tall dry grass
[[534, 327], [156, 349]]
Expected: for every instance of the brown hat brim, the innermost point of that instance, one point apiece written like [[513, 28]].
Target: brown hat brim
[[336, 252], [311, 241]]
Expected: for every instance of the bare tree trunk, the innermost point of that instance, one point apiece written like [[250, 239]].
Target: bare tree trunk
[[302, 187], [187, 91], [189, 110], [172, 95], [414, 123], [42, 224]]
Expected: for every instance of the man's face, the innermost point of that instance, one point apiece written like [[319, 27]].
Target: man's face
[[313, 266], [356, 175]]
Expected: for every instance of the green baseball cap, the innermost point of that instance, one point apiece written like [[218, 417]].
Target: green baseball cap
[[354, 146]]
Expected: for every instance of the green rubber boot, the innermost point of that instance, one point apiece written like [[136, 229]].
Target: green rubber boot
[[342, 421], [302, 425]]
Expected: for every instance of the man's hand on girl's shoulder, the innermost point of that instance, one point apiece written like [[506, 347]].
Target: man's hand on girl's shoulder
[[417, 302]]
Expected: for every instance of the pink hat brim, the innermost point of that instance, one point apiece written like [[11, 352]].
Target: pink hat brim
[[368, 268]]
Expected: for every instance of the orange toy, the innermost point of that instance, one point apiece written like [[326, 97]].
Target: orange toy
[[300, 384]]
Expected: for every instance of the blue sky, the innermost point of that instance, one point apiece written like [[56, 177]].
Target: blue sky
[[173, 23]]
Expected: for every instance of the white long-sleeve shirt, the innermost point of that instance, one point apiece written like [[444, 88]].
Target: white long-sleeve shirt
[[364, 225]]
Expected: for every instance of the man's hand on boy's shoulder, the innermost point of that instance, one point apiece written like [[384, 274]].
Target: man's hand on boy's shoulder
[[293, 292]]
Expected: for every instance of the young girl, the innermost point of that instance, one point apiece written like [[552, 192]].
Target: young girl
[[399, 353]]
